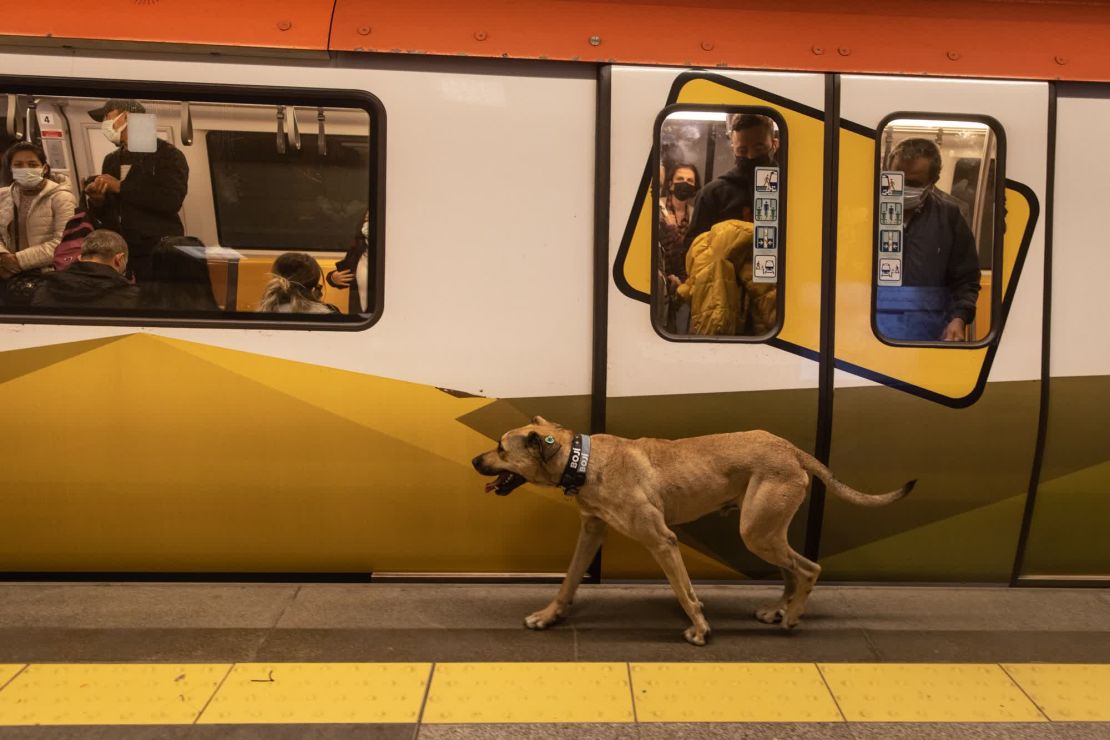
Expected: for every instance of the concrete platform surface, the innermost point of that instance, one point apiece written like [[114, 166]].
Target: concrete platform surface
[[229, 632]]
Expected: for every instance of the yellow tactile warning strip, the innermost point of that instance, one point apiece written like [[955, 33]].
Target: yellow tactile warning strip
[[104, 694], [469, 693], [732, 692], [529, 692], [1066, 692], [8, 671], [296, 693], [928, 693]]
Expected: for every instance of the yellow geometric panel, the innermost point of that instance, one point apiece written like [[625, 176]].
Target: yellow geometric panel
[[1066, 692], [467, 693], [8, 671], [805, 164], [116, 694], [308, 693], [927, 693], [731, 692], [247, 463]]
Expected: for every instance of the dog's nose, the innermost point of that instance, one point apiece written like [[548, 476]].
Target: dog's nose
[[477, 463]]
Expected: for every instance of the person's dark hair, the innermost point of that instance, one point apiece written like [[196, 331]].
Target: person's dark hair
[[297, 281], [9, 154], [682, 166], [908, 150], [179, 280], [746, 121]]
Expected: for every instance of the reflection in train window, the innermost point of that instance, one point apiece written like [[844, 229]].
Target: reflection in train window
[[164, 209], [718, 231], [297, 199], [938, 228]]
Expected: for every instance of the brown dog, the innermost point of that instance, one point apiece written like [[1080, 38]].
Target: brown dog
[[641, 487]]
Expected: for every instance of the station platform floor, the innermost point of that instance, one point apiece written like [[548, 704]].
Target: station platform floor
[[437, 661]]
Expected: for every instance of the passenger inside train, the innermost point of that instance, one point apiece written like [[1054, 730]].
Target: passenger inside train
[[718, 244], [936, 231], [202, 203]]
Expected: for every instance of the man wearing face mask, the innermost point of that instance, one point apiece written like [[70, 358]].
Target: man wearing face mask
[[138, 194], [755, 143], [940, 263]]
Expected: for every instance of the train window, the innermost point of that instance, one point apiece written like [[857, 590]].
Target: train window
[[938, 230], [198, 206], [718, 199]]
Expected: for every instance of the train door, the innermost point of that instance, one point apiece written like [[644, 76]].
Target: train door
[[1067, 533], [750, 146], [939, 283]]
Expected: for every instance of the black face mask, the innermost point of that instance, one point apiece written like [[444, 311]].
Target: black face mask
[[747, 166], [683, 191]]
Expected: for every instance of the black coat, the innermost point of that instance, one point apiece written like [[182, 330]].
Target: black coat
[[86, 285], [146, 208], [940, 252], [350, 262], [727, 197]]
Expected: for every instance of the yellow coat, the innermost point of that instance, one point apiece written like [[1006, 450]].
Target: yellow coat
[[712, 264], [723, 298]]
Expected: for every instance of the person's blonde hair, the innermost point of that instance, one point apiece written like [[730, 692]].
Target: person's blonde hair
[[295, 282]]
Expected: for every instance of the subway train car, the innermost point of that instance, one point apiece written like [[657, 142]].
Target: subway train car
[[514, 164]]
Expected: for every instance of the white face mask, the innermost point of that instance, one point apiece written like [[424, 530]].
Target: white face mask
[[111, 133], [28, 177], [366, 230], [913, 197]]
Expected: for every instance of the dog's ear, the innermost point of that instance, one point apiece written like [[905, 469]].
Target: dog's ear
[[545, 445], [539, 420]]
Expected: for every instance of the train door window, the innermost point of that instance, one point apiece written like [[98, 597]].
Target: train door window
[[197, 206], [719, 221], [938, 229]]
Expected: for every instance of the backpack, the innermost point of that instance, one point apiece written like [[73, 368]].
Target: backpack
[[73, 236]]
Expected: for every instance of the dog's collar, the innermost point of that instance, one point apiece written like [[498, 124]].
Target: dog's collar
[[574, 474]]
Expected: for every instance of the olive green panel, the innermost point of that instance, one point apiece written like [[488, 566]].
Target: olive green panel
[[573, 412], [789, 413], [977, 545], [965, 460], [1068, 534]]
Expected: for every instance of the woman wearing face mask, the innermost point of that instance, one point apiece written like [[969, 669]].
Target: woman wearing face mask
[[354, 269], [34, 210], [676, 206]]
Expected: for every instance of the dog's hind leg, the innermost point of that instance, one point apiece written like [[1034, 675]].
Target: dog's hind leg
[[590, 537], [768, 507], [772, 613]]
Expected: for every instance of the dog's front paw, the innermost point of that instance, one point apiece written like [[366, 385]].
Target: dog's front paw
[[544, 618], [771, 614], [697, 635]]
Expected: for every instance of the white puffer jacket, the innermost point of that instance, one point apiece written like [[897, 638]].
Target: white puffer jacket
[[51, 208]]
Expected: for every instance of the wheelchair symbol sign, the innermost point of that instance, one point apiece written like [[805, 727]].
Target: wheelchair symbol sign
[[891, 183]]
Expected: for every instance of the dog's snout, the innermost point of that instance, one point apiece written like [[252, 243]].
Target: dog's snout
[[477, 463]]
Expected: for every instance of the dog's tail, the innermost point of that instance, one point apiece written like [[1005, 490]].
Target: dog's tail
[[849, 494]]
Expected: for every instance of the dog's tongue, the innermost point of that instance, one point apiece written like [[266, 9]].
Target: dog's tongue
[[504, 483]]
